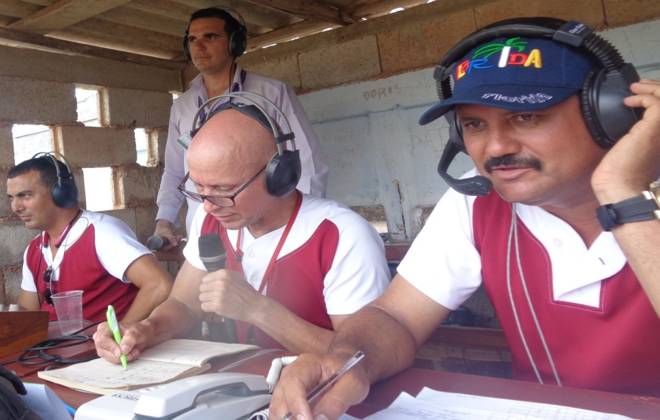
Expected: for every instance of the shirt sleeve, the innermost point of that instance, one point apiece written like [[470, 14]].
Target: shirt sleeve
[[27, 282], [442, 261], [169, 199], [359, 271], [191, 250], [116, 245]]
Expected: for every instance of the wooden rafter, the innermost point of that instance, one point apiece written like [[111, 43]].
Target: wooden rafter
[[9, 37], [287, 33], [308, 9], [64, 13]]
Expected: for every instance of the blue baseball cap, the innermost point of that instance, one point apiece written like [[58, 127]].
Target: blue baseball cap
[[515, 73]]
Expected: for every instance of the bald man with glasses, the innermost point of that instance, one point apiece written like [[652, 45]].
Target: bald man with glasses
[[297, 265]]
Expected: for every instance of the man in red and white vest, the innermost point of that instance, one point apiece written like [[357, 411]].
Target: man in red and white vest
[[297, 265], [579, 300], [79, 249]]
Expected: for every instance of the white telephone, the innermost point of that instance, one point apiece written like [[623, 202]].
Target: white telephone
[[211, 396]]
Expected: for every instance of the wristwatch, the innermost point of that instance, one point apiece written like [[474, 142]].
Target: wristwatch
[[636, 209]]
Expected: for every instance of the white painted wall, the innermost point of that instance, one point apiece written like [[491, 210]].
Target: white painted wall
[[377, 152]]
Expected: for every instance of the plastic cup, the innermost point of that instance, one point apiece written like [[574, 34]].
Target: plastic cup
[[68, 306]]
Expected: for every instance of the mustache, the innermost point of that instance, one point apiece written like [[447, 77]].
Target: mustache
[[511, 160]]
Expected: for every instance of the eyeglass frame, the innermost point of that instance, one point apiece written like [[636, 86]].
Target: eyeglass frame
[[211, 198], [48, 279]]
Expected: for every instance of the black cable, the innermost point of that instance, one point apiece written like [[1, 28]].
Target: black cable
[[38, 353]]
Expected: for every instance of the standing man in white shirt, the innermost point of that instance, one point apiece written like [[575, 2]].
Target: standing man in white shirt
[[213, 41]]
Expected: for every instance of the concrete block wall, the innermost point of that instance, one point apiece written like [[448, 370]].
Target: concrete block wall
[[132, 96], [417, 38]]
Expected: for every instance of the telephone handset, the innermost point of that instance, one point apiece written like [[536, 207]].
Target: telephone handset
[[210, 396]]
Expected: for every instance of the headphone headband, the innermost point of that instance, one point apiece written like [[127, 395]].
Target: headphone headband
[[64, 193], [208, 109]]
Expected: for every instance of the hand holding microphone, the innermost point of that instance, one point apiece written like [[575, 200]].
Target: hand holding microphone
[[163, 238], [213, 256]]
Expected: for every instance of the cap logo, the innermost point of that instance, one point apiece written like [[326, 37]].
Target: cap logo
[[511, 53]]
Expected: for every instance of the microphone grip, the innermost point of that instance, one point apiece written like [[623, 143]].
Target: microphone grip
[[213, 256], [156, 243]]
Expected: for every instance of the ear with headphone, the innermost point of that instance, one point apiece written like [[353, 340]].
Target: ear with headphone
[[284, 168], [64, 192], [601, 96], [235, 27]]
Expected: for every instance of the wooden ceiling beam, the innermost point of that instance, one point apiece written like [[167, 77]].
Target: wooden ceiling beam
[[63, 14], [253, 15], [17, 9], [146, 21], [164, 8], [18, 38], [371, 9], [308, 9], [300, 29]]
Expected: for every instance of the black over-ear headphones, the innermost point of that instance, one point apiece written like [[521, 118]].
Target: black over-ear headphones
[[602, 94], [283, 170], [235, 28], [64, 192]]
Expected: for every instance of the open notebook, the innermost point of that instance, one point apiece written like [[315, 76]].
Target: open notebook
[[165, 362]]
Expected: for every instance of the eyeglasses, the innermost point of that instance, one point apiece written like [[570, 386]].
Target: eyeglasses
[[48, 279], [217, 200]]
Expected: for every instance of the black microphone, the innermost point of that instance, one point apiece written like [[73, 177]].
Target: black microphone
[[155, 242], [475, 185], [212, 252], [213, 256]]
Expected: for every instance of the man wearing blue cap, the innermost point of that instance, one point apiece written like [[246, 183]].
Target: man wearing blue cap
[[564, 235]]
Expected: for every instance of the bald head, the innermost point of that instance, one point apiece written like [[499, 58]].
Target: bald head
[[231, 138]]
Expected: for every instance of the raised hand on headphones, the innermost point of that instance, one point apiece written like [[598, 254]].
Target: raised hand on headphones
[[633, 163]]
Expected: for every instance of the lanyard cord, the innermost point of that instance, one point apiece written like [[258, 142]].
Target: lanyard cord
[[278, 248], [513, 235]]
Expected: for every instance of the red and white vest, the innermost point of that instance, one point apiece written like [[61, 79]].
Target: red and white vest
[[615, 347]]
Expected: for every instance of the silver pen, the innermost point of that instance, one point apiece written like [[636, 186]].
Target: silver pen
[[320, 388]]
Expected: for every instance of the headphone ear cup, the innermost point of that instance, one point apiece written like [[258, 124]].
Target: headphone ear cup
[[607, 117], [237, 42], [283, 173], [589, 113], [65, 193]]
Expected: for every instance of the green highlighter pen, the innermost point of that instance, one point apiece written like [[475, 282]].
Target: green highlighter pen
[[114, 327]]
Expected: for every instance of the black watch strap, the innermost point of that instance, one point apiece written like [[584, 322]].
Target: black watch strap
[[636, 209]]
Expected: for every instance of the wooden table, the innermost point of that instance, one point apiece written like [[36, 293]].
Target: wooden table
[[412, 381]]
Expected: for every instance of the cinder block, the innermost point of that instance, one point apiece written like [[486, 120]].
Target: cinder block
[[423, 43], [146, 222], [157, 140], [284, 68], [6, 146], [30, 101], [340, 63], [624, 12], [15, 237], [135, 108], [93, 147], [5, 206], [587, 11], [11, 277], [125, 215], [137, 185]]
